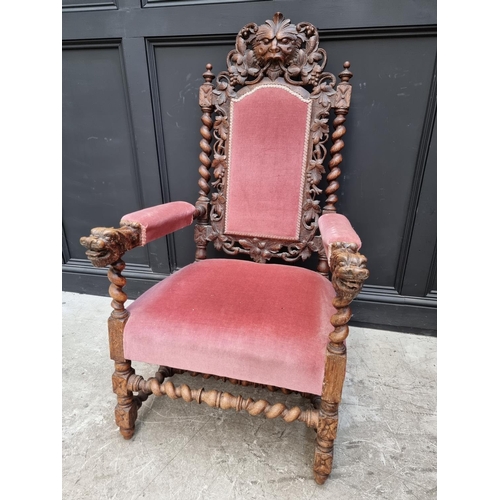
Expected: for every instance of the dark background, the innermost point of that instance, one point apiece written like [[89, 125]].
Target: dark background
[[131, 72]]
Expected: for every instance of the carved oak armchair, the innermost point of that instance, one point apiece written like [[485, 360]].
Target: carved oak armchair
[[249, 321]]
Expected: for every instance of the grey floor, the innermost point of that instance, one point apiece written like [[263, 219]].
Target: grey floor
[[386, 444]]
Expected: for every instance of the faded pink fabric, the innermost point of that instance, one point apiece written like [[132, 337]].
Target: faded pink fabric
[[161, 220], [336, 228], [266, 159], [265, 323]]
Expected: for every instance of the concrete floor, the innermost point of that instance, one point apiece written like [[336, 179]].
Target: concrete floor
[[385, 449]]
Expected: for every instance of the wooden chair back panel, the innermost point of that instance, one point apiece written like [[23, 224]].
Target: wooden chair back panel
[[263, 155]]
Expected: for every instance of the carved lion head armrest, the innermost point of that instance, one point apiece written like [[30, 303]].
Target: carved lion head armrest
[[347, 265], [348, 269], [106, 245]]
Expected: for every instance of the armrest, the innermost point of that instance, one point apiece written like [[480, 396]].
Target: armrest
[[158, 221], [336, 228], [106, 245], [348, 267]]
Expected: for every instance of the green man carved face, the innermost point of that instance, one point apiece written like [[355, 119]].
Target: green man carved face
[[276, 41]]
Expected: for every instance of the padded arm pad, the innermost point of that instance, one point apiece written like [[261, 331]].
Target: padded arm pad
[[161, 220], [336, 228]]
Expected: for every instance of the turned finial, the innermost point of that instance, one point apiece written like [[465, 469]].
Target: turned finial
[[208, 75], [346, 75]]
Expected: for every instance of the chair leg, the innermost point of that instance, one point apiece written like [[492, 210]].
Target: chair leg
[[335, 369], [326, 433], [323, 460], [126, 408]]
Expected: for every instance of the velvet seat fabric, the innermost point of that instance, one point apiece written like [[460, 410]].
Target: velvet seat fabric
[[264, 323]]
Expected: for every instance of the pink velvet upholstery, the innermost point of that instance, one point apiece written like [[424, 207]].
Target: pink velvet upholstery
[[336, 228], [267, 157], [265, 323], [161, 220]]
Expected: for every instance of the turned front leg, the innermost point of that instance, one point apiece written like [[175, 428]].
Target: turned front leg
[[127, 406]]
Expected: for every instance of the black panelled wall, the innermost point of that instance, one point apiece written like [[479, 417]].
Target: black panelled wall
[[131, 72]]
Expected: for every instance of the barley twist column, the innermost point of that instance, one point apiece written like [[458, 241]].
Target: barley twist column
[[205, 101], [341, 107]]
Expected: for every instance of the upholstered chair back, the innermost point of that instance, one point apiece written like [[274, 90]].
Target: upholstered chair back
[[268, 150], [266, 121]]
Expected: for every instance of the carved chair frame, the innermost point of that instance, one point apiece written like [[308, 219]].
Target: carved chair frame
[[249, 66]]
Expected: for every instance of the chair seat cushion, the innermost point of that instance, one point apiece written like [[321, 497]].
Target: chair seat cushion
[[264, 323]]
